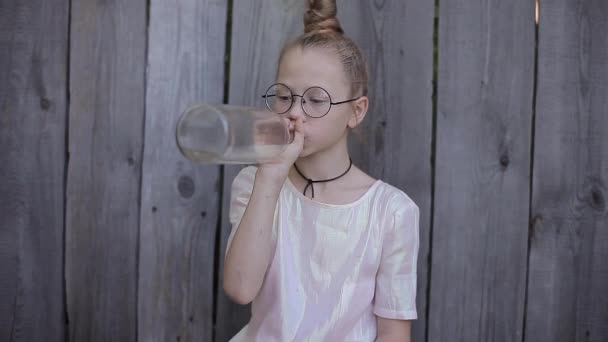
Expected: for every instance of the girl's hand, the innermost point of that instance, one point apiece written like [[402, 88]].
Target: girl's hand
[[278, 168]]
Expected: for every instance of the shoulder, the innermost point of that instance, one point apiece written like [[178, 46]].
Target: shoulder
[[398, 202], [402, 216]]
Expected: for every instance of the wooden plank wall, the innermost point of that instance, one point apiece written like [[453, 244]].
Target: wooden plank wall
[[106, 117], [33, 116], [481, 201], [180, 200], [568, 282], [108, 234]]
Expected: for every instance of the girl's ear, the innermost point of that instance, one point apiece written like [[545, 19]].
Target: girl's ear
[[360, 107]]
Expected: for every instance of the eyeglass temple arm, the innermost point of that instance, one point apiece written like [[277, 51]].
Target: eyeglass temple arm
[[341, 102]]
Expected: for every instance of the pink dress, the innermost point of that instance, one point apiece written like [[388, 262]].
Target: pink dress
[[334, 268]]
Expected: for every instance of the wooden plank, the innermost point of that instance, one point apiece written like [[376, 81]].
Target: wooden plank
[[568, 276], [394, 142], [481, 206], [180, 199], [33, 113], [259, 31], [107, 71]]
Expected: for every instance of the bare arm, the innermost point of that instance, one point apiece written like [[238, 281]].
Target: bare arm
[[393, 330], [249, 253]]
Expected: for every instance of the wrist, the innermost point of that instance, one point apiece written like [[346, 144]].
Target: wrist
[[272, 179], [273, 173]]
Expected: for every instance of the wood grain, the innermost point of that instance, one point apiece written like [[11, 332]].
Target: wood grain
[[33, 115], [180, 199], [481, 200], [568, 281], [107, 73]]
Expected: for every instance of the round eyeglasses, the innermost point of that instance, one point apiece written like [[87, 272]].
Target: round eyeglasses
[[315, 102]]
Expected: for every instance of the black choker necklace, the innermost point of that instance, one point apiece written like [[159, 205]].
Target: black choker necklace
[[311, 182]]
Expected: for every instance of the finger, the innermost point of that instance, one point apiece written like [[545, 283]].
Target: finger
[[299, 128], [299, 125], [288, 123], [298, 137]]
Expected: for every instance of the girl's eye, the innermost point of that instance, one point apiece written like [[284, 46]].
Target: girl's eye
[[283, 98], [318, 101]]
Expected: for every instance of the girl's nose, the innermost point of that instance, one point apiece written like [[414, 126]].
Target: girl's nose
[[296, 110]]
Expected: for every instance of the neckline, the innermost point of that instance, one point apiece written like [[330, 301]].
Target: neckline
[[366, 194], [311, 183]]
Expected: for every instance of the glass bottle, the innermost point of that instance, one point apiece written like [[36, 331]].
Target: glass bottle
[[229, 134]]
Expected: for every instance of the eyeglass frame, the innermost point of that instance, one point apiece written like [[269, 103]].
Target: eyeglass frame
[[266, 96]]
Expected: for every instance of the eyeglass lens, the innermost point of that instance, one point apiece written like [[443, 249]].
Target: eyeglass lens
[[316, 102]]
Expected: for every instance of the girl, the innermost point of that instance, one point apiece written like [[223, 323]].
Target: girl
[[325, 252]]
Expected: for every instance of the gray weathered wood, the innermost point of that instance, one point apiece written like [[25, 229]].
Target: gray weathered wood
[[180, 199], [394, 142], [568, 281], [481, 200], [107, 72], [33, 112], [259, 31]]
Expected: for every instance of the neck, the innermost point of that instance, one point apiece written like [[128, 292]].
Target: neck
[[325, 164]]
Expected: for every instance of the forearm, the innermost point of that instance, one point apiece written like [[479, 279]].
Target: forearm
[[249, 254], [392, 338], [392, 330]]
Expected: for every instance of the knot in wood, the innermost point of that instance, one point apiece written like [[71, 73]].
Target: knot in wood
[[185, 185]]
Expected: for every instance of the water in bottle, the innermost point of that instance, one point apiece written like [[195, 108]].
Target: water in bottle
[[228, 134]]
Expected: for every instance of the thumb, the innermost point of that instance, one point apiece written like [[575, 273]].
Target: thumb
[[298, 132]]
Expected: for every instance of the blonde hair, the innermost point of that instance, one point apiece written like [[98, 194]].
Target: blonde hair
[[323, 30]]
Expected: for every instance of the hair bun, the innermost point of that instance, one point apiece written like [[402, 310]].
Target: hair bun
[[321, 17]]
